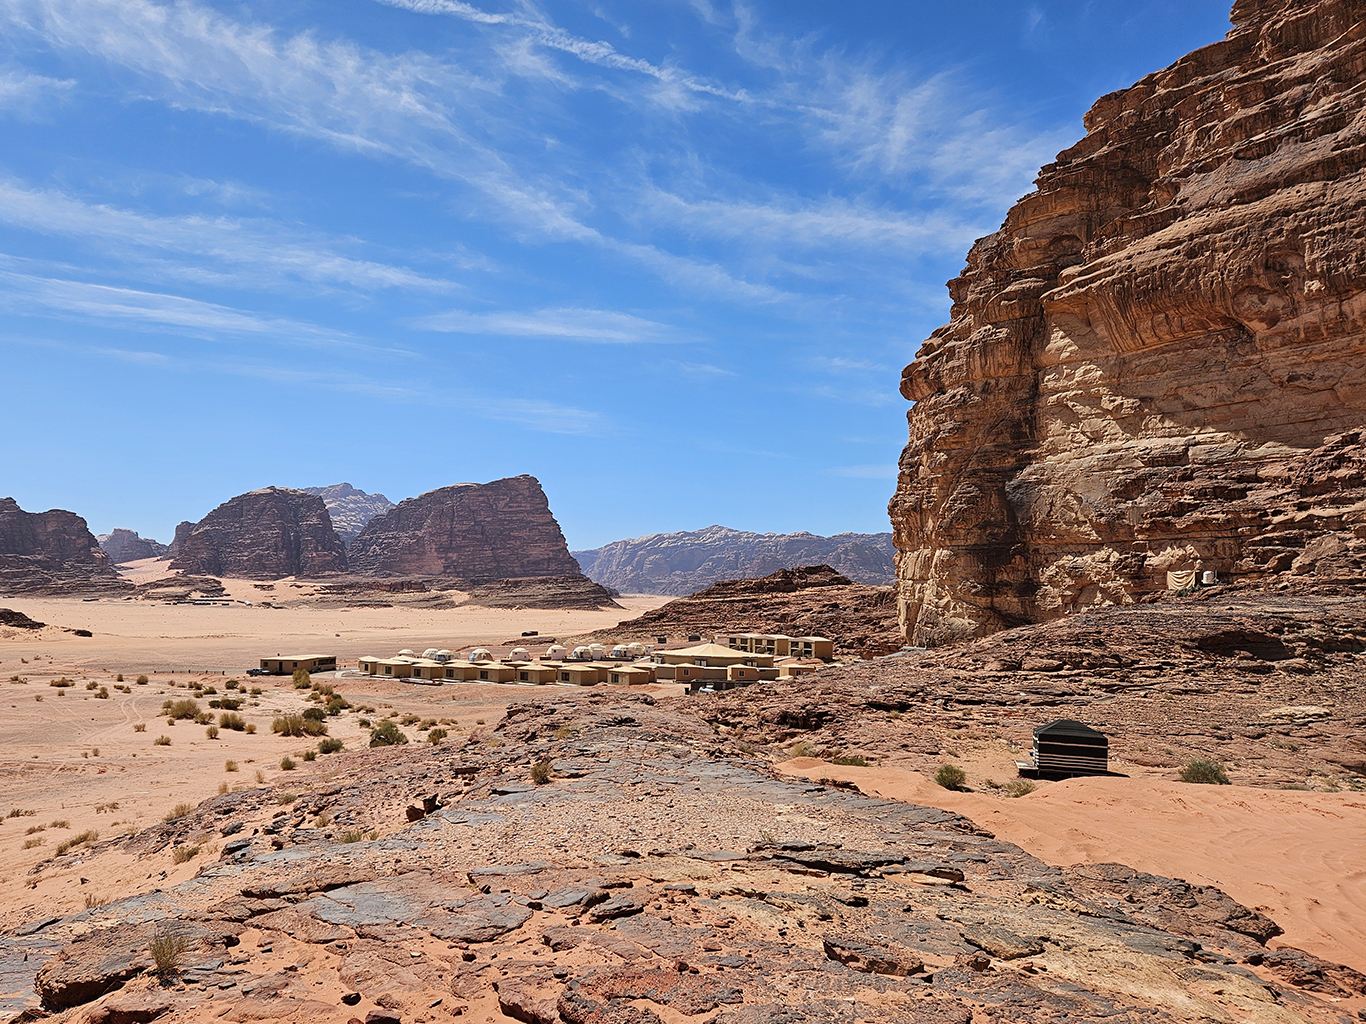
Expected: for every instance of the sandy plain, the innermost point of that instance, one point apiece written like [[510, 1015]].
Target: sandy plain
[[77, 763]]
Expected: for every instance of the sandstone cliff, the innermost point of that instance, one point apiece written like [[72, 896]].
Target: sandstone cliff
[[683, 563], [350, 508], [495, 531], [51, 552], [182, 531], [1159, 361], [264, 535], [126, 546]]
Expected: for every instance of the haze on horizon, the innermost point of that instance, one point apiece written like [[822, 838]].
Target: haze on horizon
[[669, 258]]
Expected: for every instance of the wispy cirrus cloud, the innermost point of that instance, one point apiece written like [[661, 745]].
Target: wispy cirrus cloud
[[20, 90], [595, 326]]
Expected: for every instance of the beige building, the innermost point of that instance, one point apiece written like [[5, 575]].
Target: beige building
[[712, 656], [779, 645], [288, 664]]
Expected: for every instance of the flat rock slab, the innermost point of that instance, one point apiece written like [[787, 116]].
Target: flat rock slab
[[872, 958]]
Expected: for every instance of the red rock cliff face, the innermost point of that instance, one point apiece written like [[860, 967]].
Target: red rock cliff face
[[1159, 361], [51, 552], [263, 535], [498, 530]]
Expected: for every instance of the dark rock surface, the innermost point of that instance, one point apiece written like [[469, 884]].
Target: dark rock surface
[[682, 563], [182, 531], [477, 532], [126, 546], [52, 552], [350, 508], [265, 534], [453, 911], [811, 600]]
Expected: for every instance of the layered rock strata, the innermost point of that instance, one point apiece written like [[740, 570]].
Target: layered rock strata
[[51, 552], [683, 563], [478, 532], [1159, 362], [265, 534], [126, 546]]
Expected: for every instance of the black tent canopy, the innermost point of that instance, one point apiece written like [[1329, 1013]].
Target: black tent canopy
[[1068, 747]]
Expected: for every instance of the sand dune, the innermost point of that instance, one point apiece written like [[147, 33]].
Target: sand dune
[[1298, 857]]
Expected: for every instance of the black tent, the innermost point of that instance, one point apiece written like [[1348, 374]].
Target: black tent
[[1066, 748]]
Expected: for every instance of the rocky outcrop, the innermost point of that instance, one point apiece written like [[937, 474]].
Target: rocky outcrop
[[350, 508], [264, 535], [51, 552], [812, 600], [182, 531], [1159, 362], [126, 546], [576, 591], [683, 563], [478, 532]]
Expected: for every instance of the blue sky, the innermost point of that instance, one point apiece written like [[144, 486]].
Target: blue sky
[[669, 256]]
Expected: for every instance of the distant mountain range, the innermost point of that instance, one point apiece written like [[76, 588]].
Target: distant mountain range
[[350, 508], [683, 563]]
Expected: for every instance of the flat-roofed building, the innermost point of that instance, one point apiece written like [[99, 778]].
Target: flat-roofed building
[[630, 675], [583, 673], [537, 673], [495, 672], [288, 664], [779, 645], [746, 674], [712, 656], [790, 669]]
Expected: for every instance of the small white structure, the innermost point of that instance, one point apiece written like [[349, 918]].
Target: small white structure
[[444, 656], [597, 650], [406, 653], [430, 653], [620, 653], [480, 654], [582, 654], [519, 654], [636, 650]]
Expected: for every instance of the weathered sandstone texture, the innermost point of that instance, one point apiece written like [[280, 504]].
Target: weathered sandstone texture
[[477, 532], [126, 546], [51, 552], [683, 563], [350, 508], [264, 535], [1159, 361], [182, 531], [663, 873], [811, 600]]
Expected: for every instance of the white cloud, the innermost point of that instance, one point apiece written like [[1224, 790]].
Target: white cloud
[[21, 90], [599, 326]]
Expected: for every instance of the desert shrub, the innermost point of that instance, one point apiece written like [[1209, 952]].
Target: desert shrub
[[256, 691], [436, 736], [287, 764], [211, 732], [322, 820], [260, 775], [231, 684], [329, 746], [310, 755], [478, 721], [251, 729], [1019, 787], [298, 725], [61, 683], [409, 720], [92, 685], [286, 798], [227, 703], [301, 679], [802, 749], [168, 951], [31, 843], [540, 771], [142, 680], [162, 741], [203, 718], [17, 813], [222, 788], [324, 688], [182, 708], [118, 678], [951, 777], [336, 706], [34, 828], [232, 720], [183, 853], [178, 811], [102, 693], [316, 714], [84, 839], [94, 751], [352, 836], [60, 823], [849, 759], [94, 902], [387, 734], [365, 723], [230, 766], [1210, 773], [140, 727], [206, 689]]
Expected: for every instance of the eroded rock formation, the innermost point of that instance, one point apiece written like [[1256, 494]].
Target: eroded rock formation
[[264, 535], [126, 546], [683, 563], [350, 508], [1159, 361], [51, 552], [495, 531]]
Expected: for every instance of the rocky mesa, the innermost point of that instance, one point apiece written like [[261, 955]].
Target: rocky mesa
[[1159, 361], [477, 532], [126, 546], [264, 534], [51, 552], [350, 508]]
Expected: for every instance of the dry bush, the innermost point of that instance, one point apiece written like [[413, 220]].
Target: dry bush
[[951, 777], [140, 727], [310, 755], [94, 902], [329, 746], [142, 680], [230, 766], [230, 720], [540, 771], [387, 734], [181, 854], [287, 764], [352, 836], [178, 811], [162, 741], [84, 839], [298, 725], [31, 843], [302, 681], [1018, 787], [1209, 773], [436, 736], [168, 951], [183, 708], [60, 823]]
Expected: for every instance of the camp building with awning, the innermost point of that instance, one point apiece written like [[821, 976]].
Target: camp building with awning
[[712, 656]]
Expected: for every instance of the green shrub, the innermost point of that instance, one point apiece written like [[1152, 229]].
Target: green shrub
[[316, 714], [436, 736], [540, 771], [203, 718], [329, 746], [287, 764], [310, 755], [168, 951], [183, 708], [387, 734], [298, 725], [301, 679], [232, 720], [140, 727], [1209, 773], [227, 703], [142, 680], [211, 732], [352, 836], [951, 777], [849, 759], [1019, 787], [336, 706]]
